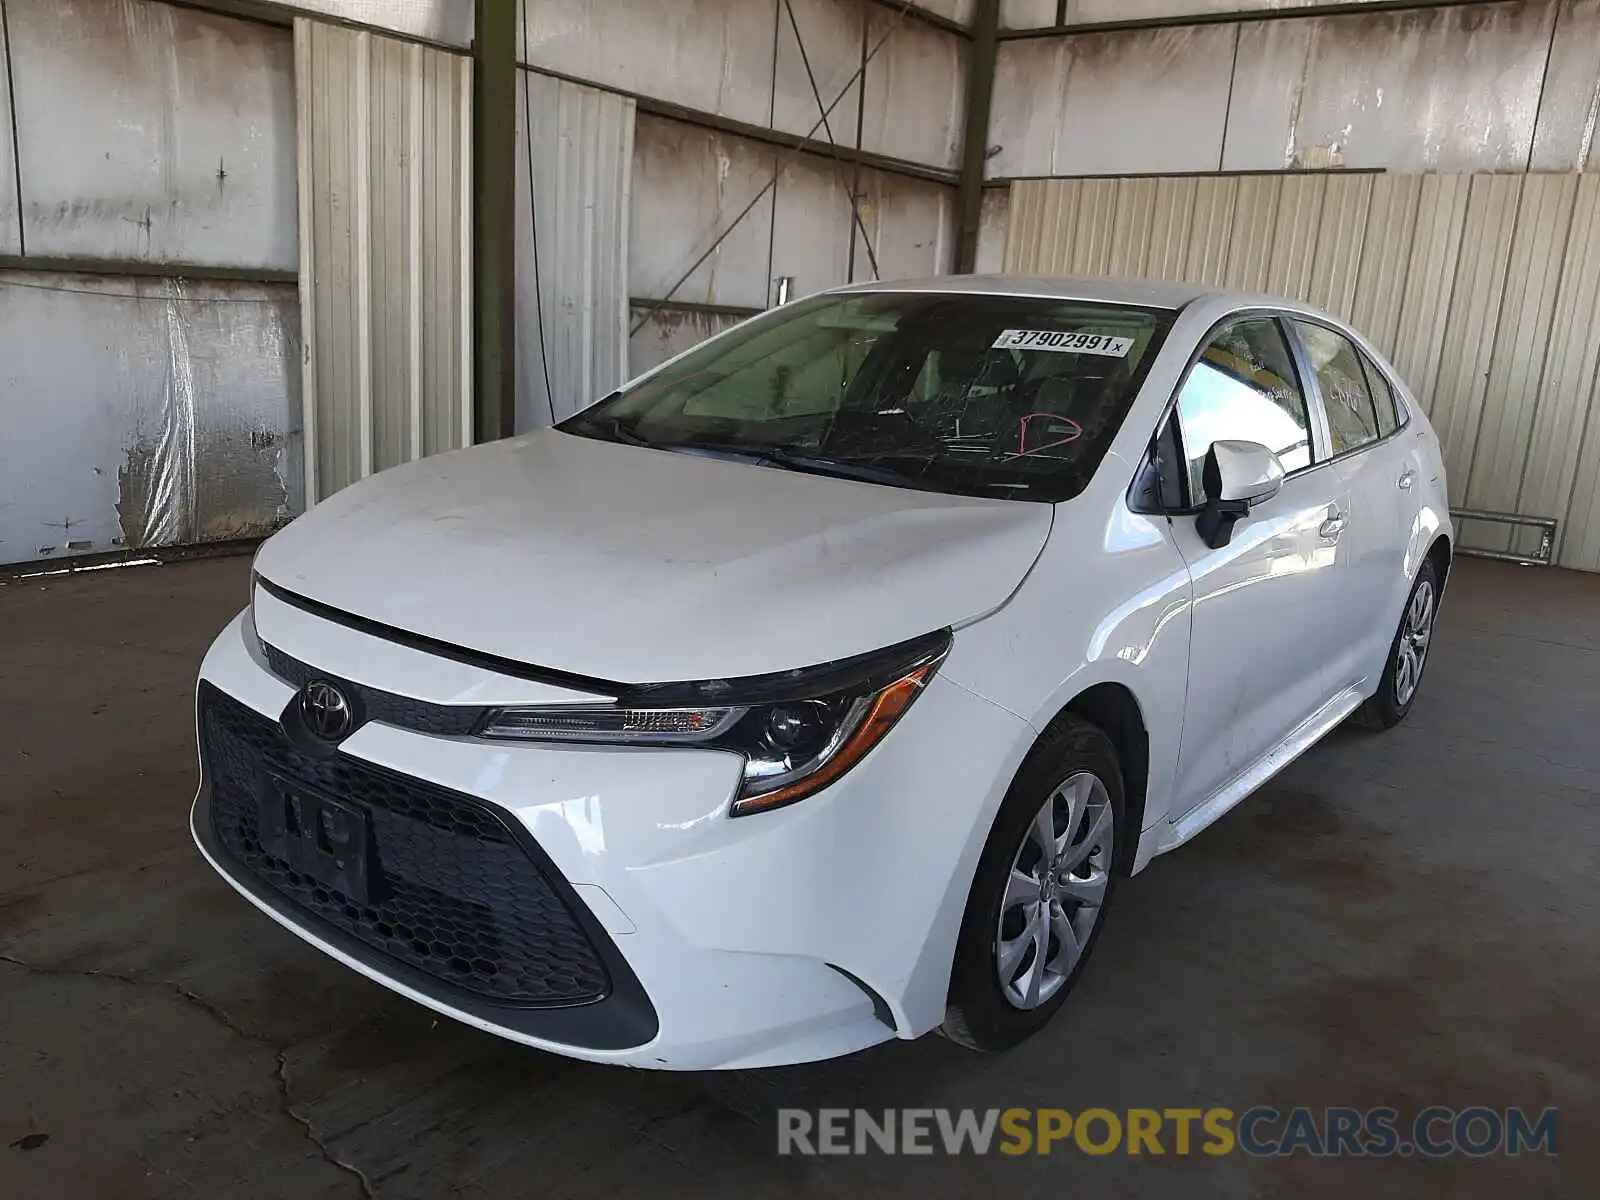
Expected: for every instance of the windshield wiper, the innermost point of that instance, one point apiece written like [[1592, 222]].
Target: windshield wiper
[[613, 429], [809, 464]]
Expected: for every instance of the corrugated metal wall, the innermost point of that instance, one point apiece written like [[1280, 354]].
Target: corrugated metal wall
[[148, 321], [1483, 289], [574, 178], [386, 251]]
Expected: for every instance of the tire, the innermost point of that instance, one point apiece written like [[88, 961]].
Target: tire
[[1067, 765], [1388, 706]]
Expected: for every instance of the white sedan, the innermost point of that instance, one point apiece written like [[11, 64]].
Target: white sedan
[[819, 687]]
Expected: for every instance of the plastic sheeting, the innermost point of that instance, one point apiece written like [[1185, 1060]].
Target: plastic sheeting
[[145, 412]]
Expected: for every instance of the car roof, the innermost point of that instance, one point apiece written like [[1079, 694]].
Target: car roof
[[1152, 293]]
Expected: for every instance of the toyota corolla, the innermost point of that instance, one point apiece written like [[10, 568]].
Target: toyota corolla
[[820, 686]]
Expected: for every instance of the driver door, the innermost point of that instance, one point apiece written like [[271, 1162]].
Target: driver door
[[1264, 604]]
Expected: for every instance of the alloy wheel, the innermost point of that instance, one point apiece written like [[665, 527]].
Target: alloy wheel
[[1416, 631], [1056, 891]]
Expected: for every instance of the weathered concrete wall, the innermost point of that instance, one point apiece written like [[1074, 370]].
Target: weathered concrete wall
[[1456, 88]]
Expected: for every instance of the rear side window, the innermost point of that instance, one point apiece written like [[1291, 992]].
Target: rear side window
[[1244, 388], [1352, 419], [1383, 398]]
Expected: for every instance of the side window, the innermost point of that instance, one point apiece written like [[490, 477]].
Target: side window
[[1352, 419], [1244, 388], [1383, 397]]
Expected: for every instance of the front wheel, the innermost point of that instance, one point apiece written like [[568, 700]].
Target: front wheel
[[1402, 673], [1041, 890]]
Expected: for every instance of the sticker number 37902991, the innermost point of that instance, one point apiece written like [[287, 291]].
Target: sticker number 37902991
[[1066, 343]]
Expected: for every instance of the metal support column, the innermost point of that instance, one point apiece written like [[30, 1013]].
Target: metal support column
[[975, 139], [494, 185]]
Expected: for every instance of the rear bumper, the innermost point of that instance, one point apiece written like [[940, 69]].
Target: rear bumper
[[801, 934]]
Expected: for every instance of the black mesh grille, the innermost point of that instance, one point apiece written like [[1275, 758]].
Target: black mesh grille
[[448, 889], [446, 720]]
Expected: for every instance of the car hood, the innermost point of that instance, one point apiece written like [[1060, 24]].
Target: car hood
[[637, 565]]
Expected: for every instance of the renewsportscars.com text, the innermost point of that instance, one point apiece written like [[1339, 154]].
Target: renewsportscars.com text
[[1261, 1131]]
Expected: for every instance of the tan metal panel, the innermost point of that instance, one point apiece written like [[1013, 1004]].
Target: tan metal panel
[[1023, 211], [1516, 370], [1172, 219], [1048, 238], [1484, 291], [1255, 217], [1470, 328], [1391, 229], [1295, 233], [1043, 218], [385, 251], [1338, 253], [1211, 231], [1563, 474], [1430, 278], [1095, 228], [1131, 226]]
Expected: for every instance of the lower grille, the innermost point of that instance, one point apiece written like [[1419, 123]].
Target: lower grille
[[442, 884]]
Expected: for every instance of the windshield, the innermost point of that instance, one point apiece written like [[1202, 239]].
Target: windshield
[[983, 395]]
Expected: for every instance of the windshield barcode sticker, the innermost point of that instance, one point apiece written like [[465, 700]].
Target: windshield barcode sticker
[[1064, 343]]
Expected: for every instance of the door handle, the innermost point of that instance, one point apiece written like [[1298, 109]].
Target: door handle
[[1407, 478], [1332, 528]]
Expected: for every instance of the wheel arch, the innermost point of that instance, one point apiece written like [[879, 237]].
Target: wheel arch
[[1440, 554], [1112, 707]]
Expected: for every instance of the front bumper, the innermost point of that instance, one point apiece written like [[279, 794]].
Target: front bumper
[[783, 937]]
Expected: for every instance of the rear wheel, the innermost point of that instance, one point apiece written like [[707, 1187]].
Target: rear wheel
[[1040, 894], [1408, 655]]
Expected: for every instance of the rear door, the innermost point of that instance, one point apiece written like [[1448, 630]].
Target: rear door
[[1267, 605], [1362, 421]]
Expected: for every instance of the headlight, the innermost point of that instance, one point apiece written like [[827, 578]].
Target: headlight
[[797, 730]]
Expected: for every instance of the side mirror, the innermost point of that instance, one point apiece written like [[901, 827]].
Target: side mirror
[[1237, 477]]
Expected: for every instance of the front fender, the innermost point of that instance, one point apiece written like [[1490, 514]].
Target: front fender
[[1107, 604]]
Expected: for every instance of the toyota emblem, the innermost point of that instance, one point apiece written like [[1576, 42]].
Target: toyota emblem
[[326, 710]]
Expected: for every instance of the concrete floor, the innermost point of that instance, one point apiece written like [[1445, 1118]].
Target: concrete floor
[[1402, 919]]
